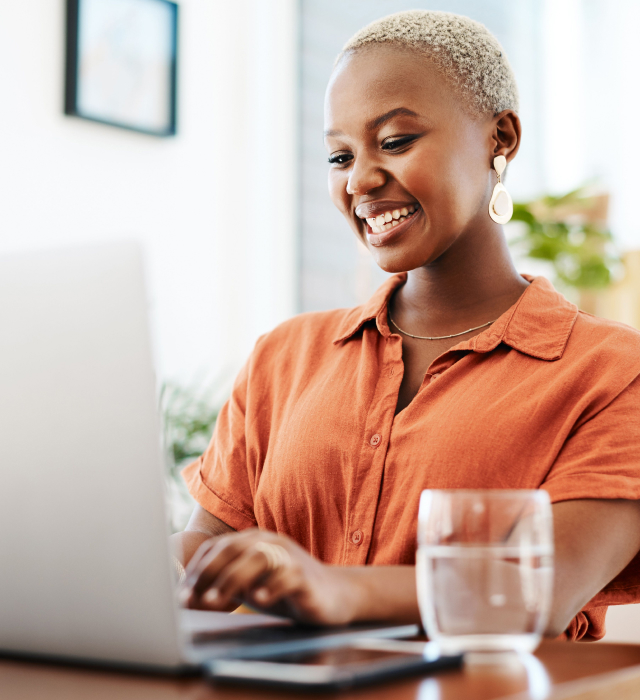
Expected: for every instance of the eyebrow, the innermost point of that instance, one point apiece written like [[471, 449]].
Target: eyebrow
[[377, 122], [387, 116]]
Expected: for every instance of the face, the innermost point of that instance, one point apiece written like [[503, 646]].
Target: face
[[410, 166]]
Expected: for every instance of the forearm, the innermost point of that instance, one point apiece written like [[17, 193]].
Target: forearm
[[185, 544], [201, 527], [383, 593], [594, 541], [388, 593]]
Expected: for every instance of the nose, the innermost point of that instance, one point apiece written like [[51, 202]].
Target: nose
[[365, 176]]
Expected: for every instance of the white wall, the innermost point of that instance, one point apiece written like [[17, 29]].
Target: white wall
[[591, 103], [214, 206], [623, 624]]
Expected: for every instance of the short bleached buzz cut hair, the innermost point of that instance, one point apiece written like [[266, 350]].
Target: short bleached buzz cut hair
[[464, 50]]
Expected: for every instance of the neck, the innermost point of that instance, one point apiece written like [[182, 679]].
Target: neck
[[473, 282]]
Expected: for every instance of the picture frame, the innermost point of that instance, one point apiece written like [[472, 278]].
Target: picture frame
[[121, 63]]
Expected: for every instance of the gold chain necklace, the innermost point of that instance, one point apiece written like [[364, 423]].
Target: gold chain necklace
[[438, 337]]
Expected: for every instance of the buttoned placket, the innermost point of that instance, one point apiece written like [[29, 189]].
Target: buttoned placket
[[361, 509], [375, 444], [441, 364]]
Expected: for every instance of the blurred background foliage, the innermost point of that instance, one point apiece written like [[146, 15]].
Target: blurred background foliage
[[570, 232], [189, 415]]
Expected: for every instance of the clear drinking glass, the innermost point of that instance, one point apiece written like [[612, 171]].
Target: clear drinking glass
[[485, 568]]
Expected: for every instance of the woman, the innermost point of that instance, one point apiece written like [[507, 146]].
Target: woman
[[458, 373]]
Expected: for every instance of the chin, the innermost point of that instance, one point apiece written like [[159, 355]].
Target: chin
[[396, 261]]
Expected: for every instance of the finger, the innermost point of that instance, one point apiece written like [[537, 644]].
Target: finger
[[215, 605], [201, 552], [185, 590], [213, 563], [221, 554], [204, 550], [204, 565], [281, 584], [214, 557], [243, 574]]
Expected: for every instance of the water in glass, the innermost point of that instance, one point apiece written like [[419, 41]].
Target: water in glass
[[485, 568]]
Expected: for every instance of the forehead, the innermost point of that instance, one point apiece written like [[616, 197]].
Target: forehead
[[373, 80]]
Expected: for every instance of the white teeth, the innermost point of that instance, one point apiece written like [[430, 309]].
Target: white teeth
[[390, 219]]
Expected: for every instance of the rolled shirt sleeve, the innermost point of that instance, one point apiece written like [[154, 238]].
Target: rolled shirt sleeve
[[221, 480]]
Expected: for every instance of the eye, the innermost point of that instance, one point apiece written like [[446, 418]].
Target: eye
[[395, 143], [340, 158]]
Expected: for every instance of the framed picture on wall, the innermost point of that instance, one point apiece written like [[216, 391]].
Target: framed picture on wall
[[121, 63]]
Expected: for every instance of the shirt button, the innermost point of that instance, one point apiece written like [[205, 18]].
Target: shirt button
[[356, 536], [374, 442]]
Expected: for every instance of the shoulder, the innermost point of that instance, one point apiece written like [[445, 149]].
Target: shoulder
[[600, 336], [284, 360], [602, 357], [311, 331]]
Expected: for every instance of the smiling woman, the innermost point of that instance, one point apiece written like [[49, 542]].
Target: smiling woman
[[458, 373]]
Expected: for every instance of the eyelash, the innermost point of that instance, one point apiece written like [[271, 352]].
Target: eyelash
[[393, 144], [335, 159], [390, 145]]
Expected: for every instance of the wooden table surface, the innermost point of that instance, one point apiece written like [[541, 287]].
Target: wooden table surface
[[559, 670]]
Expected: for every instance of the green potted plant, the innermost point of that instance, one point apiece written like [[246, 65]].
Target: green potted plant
[[189, 415], [570, 232]]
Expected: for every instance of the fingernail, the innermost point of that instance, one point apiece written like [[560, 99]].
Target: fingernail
[[183, 596], [262, 595], [211, 595]]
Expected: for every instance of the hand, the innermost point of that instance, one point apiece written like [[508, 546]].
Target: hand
[[238, 567]]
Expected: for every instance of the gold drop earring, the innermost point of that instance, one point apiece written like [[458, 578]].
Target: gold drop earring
[[501, 204]]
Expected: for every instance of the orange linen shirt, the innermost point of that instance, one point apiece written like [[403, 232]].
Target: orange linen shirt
[[308, 444]]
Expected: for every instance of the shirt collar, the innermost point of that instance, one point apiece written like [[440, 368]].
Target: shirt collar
[[538, 324], [375, 308]]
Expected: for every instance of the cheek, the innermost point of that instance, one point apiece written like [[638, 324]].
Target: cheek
[[468, 189], [433, 184], [467, 175], [451, 190], [424, 174], [420, 179]]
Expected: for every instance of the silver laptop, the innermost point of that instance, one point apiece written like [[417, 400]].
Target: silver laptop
[[85, 571]]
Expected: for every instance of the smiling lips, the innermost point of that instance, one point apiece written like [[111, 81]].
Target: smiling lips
[[390, 219]]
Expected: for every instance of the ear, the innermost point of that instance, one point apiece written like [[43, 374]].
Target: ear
[[506, 134]]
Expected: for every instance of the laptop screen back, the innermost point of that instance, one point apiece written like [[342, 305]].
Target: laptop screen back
[[84, 569]]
